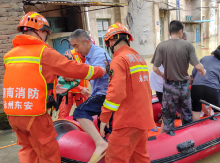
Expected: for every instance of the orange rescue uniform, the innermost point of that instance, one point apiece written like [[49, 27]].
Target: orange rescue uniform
[[36, 134], [74, 95], [129, 96]]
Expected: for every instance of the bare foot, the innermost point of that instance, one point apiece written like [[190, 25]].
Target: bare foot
[[101, 148]]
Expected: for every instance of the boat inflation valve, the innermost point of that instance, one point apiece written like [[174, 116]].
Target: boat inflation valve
[[185, 145]]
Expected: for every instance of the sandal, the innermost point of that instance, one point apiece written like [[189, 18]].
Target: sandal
[[95, 157], [154, 130]]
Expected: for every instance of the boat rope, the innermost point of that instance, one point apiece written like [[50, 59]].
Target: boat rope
[[8, 146]]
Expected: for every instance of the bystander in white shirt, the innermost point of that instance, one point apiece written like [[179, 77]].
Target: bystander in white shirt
[[156, 81]]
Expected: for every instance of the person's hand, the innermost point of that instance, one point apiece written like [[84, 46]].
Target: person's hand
[[69, 55], [68, 79], [104, 71], [178, 114], [60, 90], [102, 128], [85, 92], [203, 73], [190, 80]]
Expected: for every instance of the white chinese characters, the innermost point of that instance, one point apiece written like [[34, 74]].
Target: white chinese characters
[[18, 105], [12, 95], [133, 57], [144, 78], [20, 92], [28, 105], [10, 92], [33, 93]]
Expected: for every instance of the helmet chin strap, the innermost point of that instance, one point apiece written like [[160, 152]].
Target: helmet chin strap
[[34, 30], [116, 43], [37, 34], [41, 37]]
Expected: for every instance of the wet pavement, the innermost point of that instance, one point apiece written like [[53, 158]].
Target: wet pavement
[[10, 154]]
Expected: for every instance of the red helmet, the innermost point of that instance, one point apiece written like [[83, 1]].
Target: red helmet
[[114, 31], [93, 41], [35, 21]]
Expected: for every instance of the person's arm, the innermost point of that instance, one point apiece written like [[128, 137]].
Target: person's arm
[[61, 66], [158, 57], [194, 71], [116, 92], [158, 72], [201, 69], [194, 60]]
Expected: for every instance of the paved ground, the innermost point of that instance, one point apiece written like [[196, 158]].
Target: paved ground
[[9, 154]]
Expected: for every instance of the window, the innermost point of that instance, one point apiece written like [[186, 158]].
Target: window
[[57, 24], [102, 26], [188, 18]]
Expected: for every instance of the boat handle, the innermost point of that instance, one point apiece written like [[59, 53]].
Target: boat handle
[[213, 106]]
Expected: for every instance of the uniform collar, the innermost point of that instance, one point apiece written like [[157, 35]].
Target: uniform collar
[[124, 47], [89, 55], [27, 40]]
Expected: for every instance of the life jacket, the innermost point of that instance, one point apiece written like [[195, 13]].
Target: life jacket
[[83, 83], [24, 87]]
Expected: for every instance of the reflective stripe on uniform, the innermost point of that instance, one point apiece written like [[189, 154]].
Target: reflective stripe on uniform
[[90, 73], [78, 59], [22, 59], [138, 68], [110, 105]]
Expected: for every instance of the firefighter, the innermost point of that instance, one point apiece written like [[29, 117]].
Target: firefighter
[[30, 69], [129, 98]]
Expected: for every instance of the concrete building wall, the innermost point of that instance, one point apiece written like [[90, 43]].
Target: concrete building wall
[[216, 22], [166, 25], [187, 7], [11, 12], [182, 12], [194, 5], [164, 15], [213, 24], [157, 24], [117, 14], [207, 17], [144, 29]]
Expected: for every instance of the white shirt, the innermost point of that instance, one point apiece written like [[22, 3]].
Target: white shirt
[[156, 81]]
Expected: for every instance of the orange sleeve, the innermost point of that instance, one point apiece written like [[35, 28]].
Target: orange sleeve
[[57, 64], [116, 92], [79, 88]]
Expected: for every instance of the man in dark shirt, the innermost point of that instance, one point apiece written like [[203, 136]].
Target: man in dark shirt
[[175, 55]]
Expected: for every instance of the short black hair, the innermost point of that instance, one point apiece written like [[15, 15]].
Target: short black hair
[[175, 26], [217, 53], [79, 33]]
